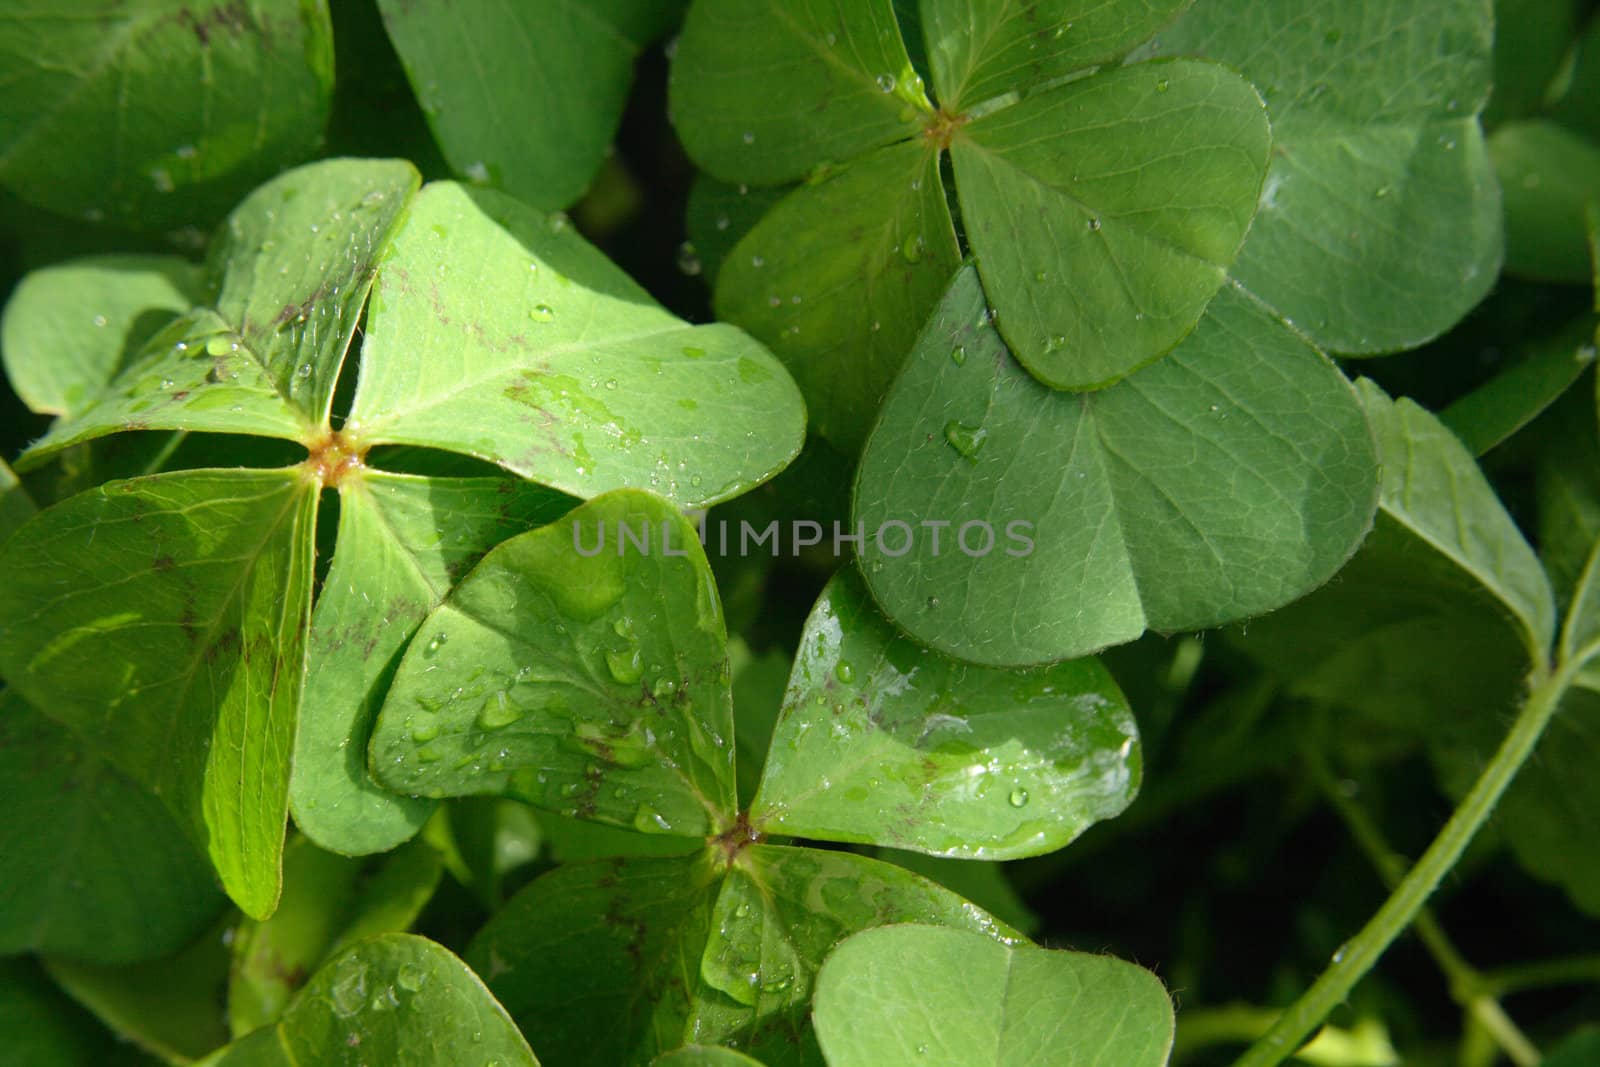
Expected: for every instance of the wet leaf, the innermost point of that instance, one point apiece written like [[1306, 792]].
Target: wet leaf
[[153, 115], [583, 675], [836, 277], [1172, 501], [920, 994], [1379, 225], [403, 541], [544, 358], [328, 902], [190, 592], [68, 329], [1098, 248], [885, 742], [764, 90], [393, 999]]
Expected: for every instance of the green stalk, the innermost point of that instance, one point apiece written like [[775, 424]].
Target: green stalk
[[1359, 954], [1466, 983]]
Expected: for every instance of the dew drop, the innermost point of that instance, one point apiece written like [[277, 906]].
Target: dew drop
[[886, 83], [1094, 225], [498, 712], [439, 640], [844, 672], [966, 440], [958, 355], [749, 138], [1162, 85], [220, 345], [691, 352], [1018, 798], [625, 667], [542, 313], [911, 248], [758, 262]]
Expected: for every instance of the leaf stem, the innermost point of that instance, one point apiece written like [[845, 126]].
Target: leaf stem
[[1467, 986], [1362, 951]]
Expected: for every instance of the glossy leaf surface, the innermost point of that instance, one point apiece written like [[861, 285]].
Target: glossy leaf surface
[[501, 334], [577, 667], [883, 741], [191, 593], [1379, 225], [918, 994], [1170, 501], [403, 541]]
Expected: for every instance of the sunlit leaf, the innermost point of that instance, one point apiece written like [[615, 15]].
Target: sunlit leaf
[[403, 541], [503, 335], [189, 593], [949, 998], [886, 742], [576, 668]]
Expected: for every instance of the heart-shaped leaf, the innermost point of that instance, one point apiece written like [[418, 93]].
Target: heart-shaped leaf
[[839, 274], [296, 260], [582, 667], [1069, 523], [69, 328], [1104, 214], [1379, 225], [982, 49], [596, 961], [764, 90], [561, 69], [403, 541], [686, 950], [392, 999], [191, 592], [156, 116], [885, 742], [949, 998], [96, 869], [1445, 605], [777, 917], [543, 357]]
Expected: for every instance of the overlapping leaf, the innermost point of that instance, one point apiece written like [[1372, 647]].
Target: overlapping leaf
[[96, 868], [983, 49], [525, 95], [295, 263], [1223, 482], [678, 950], [1103, 213], [1379, 225], [155, 115], [328, 902], [189, 593], [578, 670], [543, 357], [1445, 606], [392, 999], [763, 92], [68, 329], [882, 741], [845, 270], [403, 541], [948, 998], [1550, 176]]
